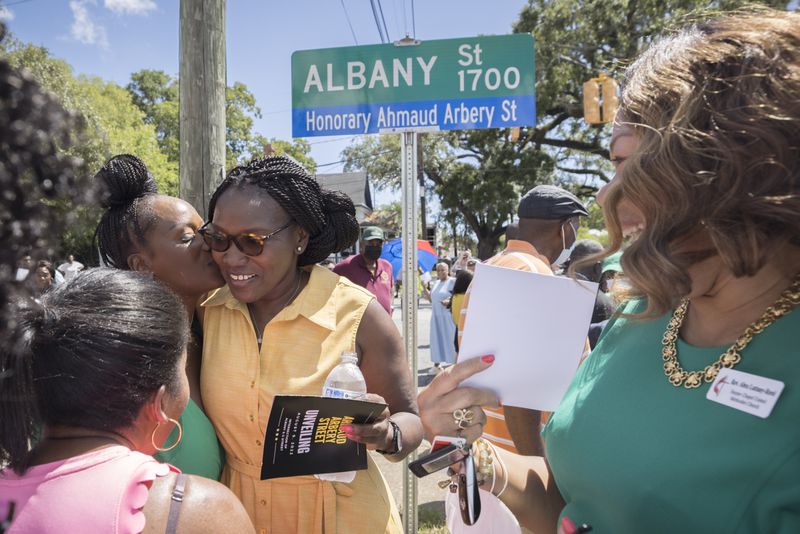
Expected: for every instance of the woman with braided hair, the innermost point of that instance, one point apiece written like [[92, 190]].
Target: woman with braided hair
[[279, 327], [157, 234]]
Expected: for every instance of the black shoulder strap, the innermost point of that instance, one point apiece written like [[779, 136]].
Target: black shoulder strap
[[175, 503]]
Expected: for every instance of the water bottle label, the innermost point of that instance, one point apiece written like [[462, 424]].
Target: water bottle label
[[337, 393]]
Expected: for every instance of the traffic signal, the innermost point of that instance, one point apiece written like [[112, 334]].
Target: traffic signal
[[600, 100], [591, 102], [430, 235], [610, 98]]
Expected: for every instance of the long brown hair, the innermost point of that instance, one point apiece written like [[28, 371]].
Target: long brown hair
[[716, 108]]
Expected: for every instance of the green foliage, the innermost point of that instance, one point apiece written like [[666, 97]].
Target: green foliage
[[575, 41], [389, 217], [157, 95], [480, 174], [298, 149], [112, 124], [124, 130]]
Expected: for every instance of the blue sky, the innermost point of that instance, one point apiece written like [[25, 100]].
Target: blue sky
[[113, 38]]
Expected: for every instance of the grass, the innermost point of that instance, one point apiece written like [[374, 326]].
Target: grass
[[431, 521]]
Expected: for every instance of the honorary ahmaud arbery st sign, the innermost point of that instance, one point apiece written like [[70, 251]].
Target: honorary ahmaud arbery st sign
[[452, 84]]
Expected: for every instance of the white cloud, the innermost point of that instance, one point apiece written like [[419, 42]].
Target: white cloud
[[6, 14], [130, 7], [84, 29]]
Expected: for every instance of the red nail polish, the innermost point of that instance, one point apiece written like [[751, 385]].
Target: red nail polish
[[489, 358], [346, 429], [568, 526]]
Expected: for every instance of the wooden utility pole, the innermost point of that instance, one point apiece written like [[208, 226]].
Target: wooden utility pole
[[202, 100]]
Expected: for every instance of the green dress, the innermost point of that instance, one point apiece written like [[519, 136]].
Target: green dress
[[631, 453], [199, 451]]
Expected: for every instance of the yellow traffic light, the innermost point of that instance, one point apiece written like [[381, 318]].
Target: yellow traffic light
[[610, 98], [600, 100], [591, 102]]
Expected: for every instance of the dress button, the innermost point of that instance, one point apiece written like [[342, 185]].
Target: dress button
[[258, 442], [263, 502], [253, 384], [252, 418]]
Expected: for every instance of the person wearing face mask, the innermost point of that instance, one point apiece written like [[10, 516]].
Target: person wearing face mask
[[545, 235], [368, 270]]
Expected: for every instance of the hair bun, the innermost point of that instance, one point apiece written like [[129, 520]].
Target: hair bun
[[124, 178]]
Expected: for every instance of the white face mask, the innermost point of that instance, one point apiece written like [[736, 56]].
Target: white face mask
[[566, 252]]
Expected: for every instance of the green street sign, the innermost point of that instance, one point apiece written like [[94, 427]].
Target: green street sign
[[449, 84]]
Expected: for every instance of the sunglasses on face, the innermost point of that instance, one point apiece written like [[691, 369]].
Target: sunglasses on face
[[250, 244]]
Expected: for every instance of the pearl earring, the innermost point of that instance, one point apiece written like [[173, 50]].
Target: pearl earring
[[299, 249]]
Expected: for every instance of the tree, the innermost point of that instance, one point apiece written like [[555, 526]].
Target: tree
[[575, 41], [389, 217], [111, 124], [156, 94], [481, 173]]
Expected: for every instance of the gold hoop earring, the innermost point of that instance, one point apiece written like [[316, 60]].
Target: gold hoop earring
[[165, 449]]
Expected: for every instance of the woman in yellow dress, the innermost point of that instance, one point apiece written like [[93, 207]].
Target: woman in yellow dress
[[278, 327]]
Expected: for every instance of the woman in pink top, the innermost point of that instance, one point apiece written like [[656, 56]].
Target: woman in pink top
[[99, 366]]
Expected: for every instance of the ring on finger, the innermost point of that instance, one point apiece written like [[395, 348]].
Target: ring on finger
[[463, 417]]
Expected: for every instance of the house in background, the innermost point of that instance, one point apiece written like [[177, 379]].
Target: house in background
[[353, 184], [356, 186]]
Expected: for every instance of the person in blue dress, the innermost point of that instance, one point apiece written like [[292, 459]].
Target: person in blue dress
[[442, 327]]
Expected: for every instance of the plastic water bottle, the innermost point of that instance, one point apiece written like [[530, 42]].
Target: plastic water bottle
[[345, 381]]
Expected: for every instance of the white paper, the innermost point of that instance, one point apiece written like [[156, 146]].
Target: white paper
[[535, 325]]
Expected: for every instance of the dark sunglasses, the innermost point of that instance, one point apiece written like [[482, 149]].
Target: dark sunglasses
[[249, 244]]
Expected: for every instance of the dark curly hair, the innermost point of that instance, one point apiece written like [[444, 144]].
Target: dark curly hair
[[92, 352], [37, 179], [127, 189], [328, 216]]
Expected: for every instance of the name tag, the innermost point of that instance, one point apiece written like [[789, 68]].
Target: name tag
[[752, 394]]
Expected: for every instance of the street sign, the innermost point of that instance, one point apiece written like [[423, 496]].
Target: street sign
[[449, 84]]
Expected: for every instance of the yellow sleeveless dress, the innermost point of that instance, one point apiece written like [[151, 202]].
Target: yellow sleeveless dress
[[301, 345]]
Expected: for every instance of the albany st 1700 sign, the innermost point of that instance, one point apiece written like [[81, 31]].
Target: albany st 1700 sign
[[451, 84]]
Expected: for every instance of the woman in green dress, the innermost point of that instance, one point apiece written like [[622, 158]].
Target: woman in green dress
[[144, 231], [684, 417]]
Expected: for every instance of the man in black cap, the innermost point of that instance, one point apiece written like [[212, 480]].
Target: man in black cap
[[549, 221], [548, 226]]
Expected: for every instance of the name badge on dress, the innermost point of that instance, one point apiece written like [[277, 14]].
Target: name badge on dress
[[749, 393]]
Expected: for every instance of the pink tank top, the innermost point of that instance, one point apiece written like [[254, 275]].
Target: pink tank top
[[101, 491]]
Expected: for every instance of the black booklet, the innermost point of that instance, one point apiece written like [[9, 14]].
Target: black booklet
[[304, 436]]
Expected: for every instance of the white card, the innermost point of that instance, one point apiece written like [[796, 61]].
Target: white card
[[535, 325], [753, 394]]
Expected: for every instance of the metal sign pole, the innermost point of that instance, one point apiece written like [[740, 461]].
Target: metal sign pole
[[408, 144]]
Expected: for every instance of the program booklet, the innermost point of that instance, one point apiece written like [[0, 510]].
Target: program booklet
[[304, 435]]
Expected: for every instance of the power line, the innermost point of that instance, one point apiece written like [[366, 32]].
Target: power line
[[377, 20], [16, 3], [346, 16], [385, 28]]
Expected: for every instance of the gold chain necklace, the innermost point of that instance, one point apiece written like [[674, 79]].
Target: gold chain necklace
[[678, 376]]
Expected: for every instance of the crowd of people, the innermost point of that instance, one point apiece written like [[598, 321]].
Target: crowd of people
[[135, 396]]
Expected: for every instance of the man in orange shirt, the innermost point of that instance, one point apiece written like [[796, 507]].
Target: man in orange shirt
[[547, 231]]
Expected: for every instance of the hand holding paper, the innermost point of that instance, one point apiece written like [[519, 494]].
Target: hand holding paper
[[536, 327]]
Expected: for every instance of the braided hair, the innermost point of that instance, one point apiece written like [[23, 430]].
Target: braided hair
[[328, 216], [129, 187]]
